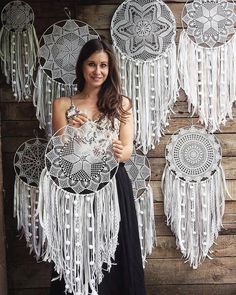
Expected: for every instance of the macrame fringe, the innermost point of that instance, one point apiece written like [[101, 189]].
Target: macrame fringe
[[146, 222], [45, 91], [205, 74], [25, 208], [194, 211], [81, 233], [152, 86], [18, 52]]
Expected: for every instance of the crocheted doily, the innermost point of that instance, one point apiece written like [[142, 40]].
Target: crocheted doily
[[80, 160], [29, 160], [17, 16], [138, 169], [193, 154], [60, 46], [143, 29], [210, 22]]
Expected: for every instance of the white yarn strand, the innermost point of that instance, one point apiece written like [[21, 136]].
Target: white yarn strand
[[25, 210], [152, 103], [210, 88], [18, 60], [81, 233], [194, 211], [146, 222], [45, 91]]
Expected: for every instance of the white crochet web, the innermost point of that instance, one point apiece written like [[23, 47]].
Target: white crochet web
[[60, 46], [80, 160], [193, 154], [17, 16], [138, 169], [143, 29], [210, 22], [29, 160]]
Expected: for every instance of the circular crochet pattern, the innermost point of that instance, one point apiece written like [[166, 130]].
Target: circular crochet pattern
[[60, 46], [143, 29], [193, 154], [17, 16], [29, 160], [80, 160], [138, 169], [210, 22]]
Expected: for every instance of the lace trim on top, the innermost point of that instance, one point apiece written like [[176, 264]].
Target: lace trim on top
[[103, 122]]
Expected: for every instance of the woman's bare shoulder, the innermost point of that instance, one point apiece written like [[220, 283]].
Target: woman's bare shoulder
[[62, 102], [126, 103]]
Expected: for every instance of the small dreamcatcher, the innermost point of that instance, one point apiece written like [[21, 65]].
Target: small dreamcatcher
[[194, 188], [60, 46], [138, 169], [207, 60], [79, 208], [28, 165], [18, 47], [143, 35]]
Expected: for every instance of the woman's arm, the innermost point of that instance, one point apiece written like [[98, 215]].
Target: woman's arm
[[59, 112], [123, 147]]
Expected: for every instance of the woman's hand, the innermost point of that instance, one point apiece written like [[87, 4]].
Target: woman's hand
[[118, 149], [78, 120]]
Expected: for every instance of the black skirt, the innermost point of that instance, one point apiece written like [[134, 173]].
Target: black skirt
[[126, 276]]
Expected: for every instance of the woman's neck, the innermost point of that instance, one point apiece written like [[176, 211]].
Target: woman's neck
[[90, 94]]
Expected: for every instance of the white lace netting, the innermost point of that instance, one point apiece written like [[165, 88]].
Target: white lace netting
[[143, 30], [60, 46], [81, 159], [138, 169], [193, 154], [194, 189], [18, 48], [210, 22], [143, 35], [28, 165], [79, 207]]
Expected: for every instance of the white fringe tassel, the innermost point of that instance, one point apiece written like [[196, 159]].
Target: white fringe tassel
[[25, 208], [81, 233], [194, 211], [146, 222], [206, 76], [45, 91], [18, 52], [152, 86]]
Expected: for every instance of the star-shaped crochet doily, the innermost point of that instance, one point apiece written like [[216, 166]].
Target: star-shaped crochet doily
[[60, 47], [210, 22], [144, 29]]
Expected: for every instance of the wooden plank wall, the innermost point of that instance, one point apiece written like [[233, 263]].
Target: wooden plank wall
[[165, 273]]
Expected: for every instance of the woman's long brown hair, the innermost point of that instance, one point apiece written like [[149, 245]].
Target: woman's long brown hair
[[109, 97]]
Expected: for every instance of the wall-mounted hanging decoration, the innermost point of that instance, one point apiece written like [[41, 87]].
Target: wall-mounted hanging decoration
[[138, 169], [207, 60], [28, 165], [60, 46], [143, 35], [79, 208], [194, 188], [18, 47]]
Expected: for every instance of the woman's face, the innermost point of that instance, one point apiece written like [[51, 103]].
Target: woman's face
[[96, 69]]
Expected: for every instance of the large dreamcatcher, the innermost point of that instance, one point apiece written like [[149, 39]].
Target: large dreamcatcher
[[79, 208], [194, 188], [138, 169], [60, 46], [143, 35], [28, 165], [208, 45], [18, 47]]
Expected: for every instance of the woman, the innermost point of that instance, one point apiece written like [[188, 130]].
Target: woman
[[99, 99]]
